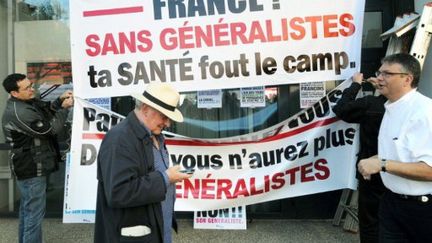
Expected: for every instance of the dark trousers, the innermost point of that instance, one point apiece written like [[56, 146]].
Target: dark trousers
[[370, 194], [405, 220]]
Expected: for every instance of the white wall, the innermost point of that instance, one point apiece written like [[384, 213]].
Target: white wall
[[425, 85]]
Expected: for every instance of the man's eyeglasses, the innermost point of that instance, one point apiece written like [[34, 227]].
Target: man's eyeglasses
[[29, 87], [386, 74]]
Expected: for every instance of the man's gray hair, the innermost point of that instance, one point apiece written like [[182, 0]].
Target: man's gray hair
[[138, 104], [409, 63]]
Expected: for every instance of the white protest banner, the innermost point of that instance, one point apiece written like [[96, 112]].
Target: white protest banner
[[91, 122], [227, 218], [308, 153], [215, 44]]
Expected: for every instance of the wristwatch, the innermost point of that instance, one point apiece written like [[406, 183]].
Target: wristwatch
[[383, 165]]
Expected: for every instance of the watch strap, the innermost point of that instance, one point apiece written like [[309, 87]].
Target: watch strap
[[383, 165]]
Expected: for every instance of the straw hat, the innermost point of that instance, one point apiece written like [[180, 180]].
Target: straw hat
[[163, 98]]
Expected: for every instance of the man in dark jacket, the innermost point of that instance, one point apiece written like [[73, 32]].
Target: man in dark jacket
[[130, 187], [30, 126], [367, 111]]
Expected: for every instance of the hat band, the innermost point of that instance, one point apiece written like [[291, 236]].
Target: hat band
[[158, 102]]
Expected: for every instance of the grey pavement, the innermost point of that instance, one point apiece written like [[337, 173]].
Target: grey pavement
[[259, 230]]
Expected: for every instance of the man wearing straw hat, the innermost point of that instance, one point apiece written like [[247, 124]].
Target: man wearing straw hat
[[133, 173]]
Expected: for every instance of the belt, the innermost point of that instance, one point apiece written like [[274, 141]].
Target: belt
[[421, 198]]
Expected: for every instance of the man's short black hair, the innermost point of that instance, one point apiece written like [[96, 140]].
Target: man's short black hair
[[409, 63], [11, 82]]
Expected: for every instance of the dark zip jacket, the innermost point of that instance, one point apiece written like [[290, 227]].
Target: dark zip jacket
[[130, 190], [367, 111], [30, 128]]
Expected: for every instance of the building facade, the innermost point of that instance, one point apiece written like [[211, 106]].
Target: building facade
[[35, 40]]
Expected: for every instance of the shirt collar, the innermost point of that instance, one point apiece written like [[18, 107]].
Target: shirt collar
[[401, 101]]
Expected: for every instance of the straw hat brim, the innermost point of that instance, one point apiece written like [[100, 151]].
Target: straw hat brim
[[173, 115]]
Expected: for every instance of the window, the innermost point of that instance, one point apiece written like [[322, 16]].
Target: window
[[372, 29]]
